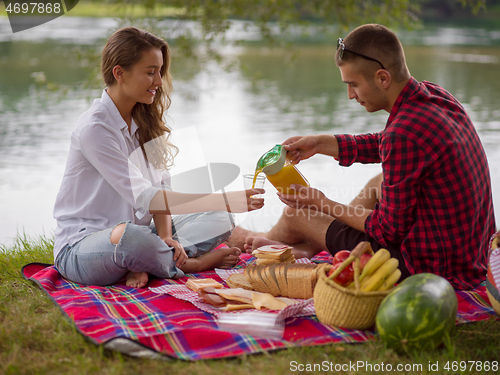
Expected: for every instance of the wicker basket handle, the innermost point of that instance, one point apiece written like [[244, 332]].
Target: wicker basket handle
[[360, 249]]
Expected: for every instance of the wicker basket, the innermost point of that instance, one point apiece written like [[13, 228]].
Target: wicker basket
[[342, 307], [493, 302]]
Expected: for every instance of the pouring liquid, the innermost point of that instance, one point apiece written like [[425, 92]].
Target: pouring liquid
[[280, 172], [257, 171]]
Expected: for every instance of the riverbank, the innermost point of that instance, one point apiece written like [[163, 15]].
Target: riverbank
[[35, 338]]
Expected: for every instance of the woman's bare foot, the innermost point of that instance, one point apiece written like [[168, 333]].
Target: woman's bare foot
[[225, 257], [239, 235], [252, 243], [136, 279]]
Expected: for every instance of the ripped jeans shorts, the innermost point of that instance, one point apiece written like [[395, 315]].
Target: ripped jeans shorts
[[94, 260]]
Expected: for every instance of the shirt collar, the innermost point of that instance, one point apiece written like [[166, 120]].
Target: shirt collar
[[408, 90], [118, 121]]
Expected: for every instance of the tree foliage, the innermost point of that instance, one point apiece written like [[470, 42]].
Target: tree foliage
[[275, 18], [204, 24]]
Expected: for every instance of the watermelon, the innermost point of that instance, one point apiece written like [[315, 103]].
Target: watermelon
[[418, 314]]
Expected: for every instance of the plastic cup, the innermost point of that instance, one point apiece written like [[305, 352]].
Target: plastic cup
[[259, 183]]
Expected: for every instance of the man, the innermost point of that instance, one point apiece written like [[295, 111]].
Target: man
[[431, 207]]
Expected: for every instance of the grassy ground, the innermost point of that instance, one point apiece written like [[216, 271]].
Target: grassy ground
[[35, 338]]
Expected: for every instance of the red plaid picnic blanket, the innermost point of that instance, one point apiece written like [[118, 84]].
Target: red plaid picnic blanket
[[143, 322]]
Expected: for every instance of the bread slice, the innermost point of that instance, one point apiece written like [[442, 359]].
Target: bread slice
[[276, 252], [268, 279], [272, 271], [271, 280], [238, 280], [260, 281], [281, 279], [291, 279], [303, 281], [266, 261], [250, 276], [197, 284]]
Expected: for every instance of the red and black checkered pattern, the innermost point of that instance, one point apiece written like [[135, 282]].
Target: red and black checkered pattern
[[436, 199]]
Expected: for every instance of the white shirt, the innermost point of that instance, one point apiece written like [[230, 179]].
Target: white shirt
[[107, 179]]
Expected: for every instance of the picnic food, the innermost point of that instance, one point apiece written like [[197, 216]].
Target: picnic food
[[197, 284], [238, 280], [279, 171], [346, 277], [238, 299], [291, 280], [273, 254], [418, 314], [493, 274], [386, 270], [208, 295], [380, 272], [349, 307]]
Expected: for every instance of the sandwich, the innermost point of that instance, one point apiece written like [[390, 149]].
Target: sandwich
[[273, 254]]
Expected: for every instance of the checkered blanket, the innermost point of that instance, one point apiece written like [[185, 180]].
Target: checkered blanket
[[151, 322]]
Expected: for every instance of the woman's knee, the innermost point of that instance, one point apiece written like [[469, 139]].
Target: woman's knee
[[117, 233]]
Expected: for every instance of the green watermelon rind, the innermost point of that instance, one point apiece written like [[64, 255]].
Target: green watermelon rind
[[397, 330]]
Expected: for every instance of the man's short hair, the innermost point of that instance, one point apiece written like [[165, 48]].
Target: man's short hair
[[380, 43]]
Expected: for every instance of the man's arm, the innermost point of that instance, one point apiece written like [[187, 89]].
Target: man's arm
[[313, 199], [303, 147]]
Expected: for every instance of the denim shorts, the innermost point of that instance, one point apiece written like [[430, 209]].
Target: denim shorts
[[94, 260]]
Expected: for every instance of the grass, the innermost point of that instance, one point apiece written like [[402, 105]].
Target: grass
[[35, 338]]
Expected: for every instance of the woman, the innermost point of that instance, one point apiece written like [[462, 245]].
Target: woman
[[114, 206]]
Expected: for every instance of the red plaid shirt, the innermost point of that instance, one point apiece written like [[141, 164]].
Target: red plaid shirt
[[436, 200]]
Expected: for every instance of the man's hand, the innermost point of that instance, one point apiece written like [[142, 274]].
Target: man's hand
[[307, 197], [302, 148]]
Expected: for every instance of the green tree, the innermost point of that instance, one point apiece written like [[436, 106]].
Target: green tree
[[206, 24]]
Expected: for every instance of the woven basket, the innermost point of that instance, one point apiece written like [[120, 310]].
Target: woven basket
[[342, 307], [493, 302]]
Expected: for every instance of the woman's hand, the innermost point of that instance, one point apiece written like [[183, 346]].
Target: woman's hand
[[242, 201], [180, 256], [307, 197]]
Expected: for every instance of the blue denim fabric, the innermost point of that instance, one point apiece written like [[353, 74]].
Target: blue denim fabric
[[94, 260]]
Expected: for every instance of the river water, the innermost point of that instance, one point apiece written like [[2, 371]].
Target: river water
[[221, 116]]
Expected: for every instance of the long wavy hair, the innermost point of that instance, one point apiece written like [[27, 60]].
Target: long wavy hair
[[125, 48]]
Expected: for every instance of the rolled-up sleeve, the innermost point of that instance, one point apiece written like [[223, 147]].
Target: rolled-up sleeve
[[362, 148]]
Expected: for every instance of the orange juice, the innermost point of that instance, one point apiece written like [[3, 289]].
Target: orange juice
[[257, 171], [280, 172], [287, 176]]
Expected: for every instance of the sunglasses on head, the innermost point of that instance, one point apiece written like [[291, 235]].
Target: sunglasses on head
[[341, 49]]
